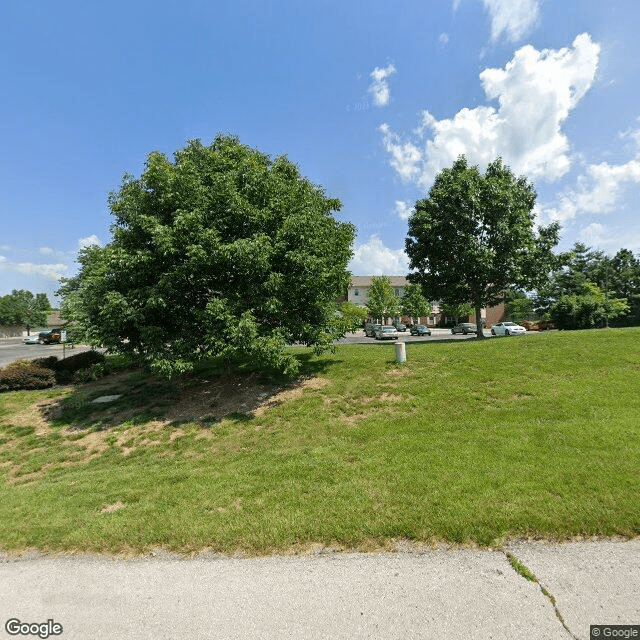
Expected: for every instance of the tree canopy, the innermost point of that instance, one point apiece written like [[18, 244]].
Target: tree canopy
[[351, 316], [414, 304], [382, 300], [21, 307], [589, 289], [222, 252], [473, 237]]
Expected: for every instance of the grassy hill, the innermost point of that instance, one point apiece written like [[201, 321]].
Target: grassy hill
[[467, 442]]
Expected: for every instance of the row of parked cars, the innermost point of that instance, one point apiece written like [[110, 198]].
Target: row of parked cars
[[391, 332]]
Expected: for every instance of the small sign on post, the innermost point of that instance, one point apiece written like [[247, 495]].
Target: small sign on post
[[63, 339]]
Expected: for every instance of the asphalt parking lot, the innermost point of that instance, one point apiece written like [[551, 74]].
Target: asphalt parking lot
[[12, 349], [404, 336]]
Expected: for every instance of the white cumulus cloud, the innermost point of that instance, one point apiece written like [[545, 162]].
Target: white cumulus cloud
[[512, 18], [48, 271], [594, 234], [598, 190], [374, 258], [88, 241], [403, 209], [536, 91], [379, 88]]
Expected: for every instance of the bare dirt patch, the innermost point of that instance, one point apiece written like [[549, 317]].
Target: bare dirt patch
[[32, 417], [110, 508], [200, 401], [384, 397], [398, 372], [196, 401]]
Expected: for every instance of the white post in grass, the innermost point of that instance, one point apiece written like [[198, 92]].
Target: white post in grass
[[401, 354]]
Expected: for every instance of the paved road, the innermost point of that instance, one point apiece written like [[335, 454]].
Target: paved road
[[12, 349], [427, 594]]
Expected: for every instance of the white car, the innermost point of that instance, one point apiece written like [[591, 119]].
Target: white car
[[507, 329], [34, 338]]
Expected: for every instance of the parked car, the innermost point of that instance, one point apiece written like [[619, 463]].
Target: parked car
[[419, 330], [49, 337], [387, 333], [370, 329], [464, 328], [400, 326], [34, 338], [507, 329]]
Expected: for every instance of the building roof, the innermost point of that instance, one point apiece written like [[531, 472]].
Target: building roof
[[365, 281], [54, 319]]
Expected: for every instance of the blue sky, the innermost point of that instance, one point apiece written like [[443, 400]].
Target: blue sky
[[371, 99]]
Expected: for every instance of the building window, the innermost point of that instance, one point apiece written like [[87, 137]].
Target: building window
[[356, 293], [397, 291]]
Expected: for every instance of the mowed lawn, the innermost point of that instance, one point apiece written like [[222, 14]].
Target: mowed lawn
[[468, 442]]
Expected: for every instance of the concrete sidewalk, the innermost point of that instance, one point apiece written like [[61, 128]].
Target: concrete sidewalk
[[456, 593]]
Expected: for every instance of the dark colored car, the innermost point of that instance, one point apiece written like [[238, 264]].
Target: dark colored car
[[464, 328], [370, 330], [400, 326], [49, 337], [419, 330]]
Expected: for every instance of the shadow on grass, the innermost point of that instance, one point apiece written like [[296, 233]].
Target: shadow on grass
[[205, 396], [311, 365], [132, 397]]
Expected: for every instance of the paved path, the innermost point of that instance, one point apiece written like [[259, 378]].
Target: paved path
[[437, 594]]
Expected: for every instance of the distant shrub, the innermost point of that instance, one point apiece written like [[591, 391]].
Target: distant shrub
[[26, 375]]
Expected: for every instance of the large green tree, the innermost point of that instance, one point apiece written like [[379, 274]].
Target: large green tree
[[220, 252], [473, 237], [382, 300], [414, 304], [21, 307]]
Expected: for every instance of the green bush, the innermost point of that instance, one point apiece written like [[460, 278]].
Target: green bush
[[79, 361], [26, 375], [47, 363], [91, 373]]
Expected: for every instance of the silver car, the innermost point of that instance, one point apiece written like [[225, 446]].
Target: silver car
[[387, 333]]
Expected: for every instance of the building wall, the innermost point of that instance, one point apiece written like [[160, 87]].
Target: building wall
[[357, 293], [496, 314]]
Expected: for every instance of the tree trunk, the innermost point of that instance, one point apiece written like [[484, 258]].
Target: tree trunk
[[479, 330]]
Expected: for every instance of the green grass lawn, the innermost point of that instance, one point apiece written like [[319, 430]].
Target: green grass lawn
[[467, 442]]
